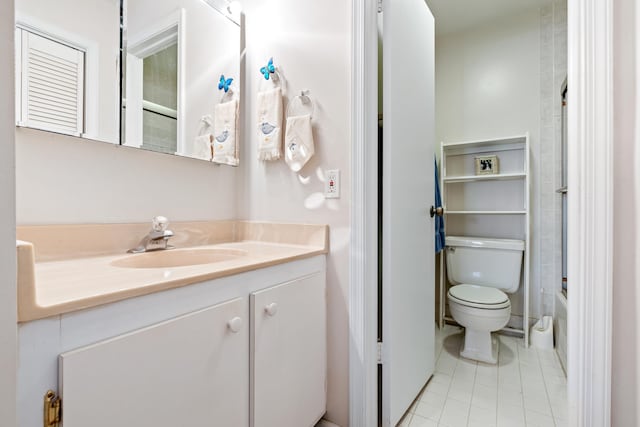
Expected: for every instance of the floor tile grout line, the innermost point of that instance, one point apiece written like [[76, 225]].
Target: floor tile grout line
[[446, 396], [546, 390], [517, 363], [524, 407], [473, 386]]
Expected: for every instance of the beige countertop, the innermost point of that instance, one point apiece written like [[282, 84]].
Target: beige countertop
[[72, 277]]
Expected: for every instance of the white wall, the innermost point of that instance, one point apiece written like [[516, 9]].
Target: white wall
[[94, 25], [488, 80], [310, 43], [66, 180], [499, 79], [7, 223], [625, 361]]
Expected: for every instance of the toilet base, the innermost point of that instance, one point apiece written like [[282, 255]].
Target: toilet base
[[480, 346]]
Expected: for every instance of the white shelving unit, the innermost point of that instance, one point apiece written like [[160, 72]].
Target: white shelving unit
[[496, 205]]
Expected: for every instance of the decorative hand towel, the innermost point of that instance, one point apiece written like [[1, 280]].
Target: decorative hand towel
[[269, 124], [202, 149], [225, 126], [202, 145], [298, 141]]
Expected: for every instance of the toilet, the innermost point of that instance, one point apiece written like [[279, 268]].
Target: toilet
[[483, 272]]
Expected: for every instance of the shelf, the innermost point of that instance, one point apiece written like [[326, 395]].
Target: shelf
[[474, 207], [485, 212], [484, 145], [496, 177]]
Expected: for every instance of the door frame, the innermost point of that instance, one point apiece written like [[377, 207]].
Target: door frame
[[169, 30], [363, 246], [590, 177], [590, 231], [8, 285]]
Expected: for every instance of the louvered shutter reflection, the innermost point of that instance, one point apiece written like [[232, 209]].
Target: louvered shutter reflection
[[51, 84]]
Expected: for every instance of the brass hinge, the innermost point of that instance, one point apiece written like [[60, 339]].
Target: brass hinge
[[52, 409]]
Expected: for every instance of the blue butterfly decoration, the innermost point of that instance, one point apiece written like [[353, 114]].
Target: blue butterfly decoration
[[224, 83], [269, 69]]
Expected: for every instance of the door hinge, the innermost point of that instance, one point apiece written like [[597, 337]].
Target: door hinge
[[379, 352], [379, 6], [52, 409]]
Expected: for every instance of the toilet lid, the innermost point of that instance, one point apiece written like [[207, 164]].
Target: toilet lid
[[479, 295]]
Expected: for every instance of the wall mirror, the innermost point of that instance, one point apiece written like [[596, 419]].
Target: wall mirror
[[67, 77], [141, 73], [175, 54]]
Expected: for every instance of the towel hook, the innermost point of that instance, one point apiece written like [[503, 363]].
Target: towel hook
[[270, 71], [304, 99], [225, 85]]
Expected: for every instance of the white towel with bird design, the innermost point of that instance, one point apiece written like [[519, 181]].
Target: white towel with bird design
[[225, 130], [270, 124], [298, 141]]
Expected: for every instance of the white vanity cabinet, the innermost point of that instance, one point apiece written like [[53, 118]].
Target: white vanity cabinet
[[189, 371], [203, 354], [289, 354]]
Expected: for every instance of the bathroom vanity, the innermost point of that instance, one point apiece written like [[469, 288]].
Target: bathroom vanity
[[240, 341]]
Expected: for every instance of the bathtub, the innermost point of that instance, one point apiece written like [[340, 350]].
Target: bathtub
[[560, 328]]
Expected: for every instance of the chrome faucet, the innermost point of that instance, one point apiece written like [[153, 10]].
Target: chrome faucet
[[157, 239]]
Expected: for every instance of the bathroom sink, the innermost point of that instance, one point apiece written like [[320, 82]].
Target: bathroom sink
[[178, 258]]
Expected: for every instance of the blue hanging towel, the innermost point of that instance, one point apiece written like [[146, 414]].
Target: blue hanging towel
[[439, 222]]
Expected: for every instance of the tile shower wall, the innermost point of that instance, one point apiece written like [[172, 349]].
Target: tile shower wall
[[548, 222]]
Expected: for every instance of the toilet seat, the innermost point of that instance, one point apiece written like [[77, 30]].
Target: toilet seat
[[483, 297]]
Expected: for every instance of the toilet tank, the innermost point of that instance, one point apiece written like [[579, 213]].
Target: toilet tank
[[486, 262]]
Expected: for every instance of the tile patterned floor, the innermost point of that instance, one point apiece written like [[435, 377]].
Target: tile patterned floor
[[526, 388]]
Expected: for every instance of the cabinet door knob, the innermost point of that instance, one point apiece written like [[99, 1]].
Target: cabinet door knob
[[235, 324], [271, 309]]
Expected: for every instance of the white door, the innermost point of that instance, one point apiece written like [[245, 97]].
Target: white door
[[188, 371], [408, 193]]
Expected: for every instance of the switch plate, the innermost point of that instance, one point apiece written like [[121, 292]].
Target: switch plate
[[332, 184]]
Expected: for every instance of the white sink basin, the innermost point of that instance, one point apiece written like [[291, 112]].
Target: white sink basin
[[178, 258]]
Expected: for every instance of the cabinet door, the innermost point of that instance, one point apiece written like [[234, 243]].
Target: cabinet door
[[188, 371], [289, 357]]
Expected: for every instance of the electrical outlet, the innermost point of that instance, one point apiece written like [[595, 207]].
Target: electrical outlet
[[332, 184]]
